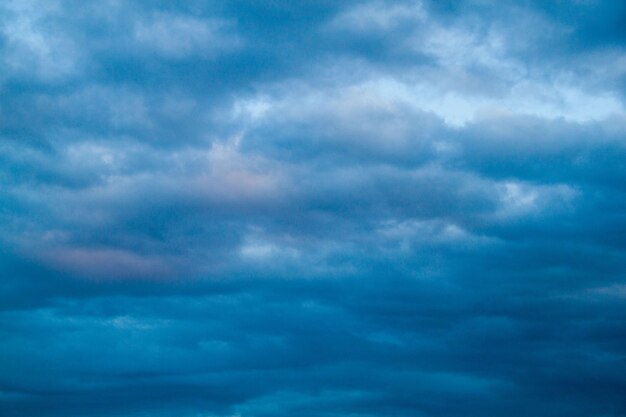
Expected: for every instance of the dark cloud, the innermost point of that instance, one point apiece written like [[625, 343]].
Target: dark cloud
[[319, 208]]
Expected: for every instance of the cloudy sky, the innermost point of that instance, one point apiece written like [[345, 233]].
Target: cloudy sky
[[312, 208]]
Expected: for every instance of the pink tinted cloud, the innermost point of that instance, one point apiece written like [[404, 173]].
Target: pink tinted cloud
[[107, 263]]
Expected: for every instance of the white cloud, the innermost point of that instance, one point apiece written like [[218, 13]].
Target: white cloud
[[378, 16], [520, 198], [178, 36], [34, 47], [478, 69]]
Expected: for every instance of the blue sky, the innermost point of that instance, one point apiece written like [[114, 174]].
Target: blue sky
[[312, 208]]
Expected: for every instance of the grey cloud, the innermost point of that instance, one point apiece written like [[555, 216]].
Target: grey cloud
[[314, 208]]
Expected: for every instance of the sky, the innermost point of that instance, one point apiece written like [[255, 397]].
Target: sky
[[312, 208]]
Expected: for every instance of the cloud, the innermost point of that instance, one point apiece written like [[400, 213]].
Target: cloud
[[316, 208], [33, 48], [105, 263], [179, 36]]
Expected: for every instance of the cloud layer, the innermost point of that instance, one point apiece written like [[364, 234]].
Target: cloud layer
[[316, 208]]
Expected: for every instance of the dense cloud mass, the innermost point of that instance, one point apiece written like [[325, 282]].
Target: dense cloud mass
[[312, 208]]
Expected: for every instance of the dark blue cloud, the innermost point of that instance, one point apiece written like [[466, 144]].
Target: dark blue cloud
[[319, 208]]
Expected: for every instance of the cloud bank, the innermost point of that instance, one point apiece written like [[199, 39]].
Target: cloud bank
[[316, 208]]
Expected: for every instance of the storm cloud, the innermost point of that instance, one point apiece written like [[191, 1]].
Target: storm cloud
[[314, 208]]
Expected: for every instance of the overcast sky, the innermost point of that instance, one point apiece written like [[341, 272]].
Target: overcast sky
[[312, 208]]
